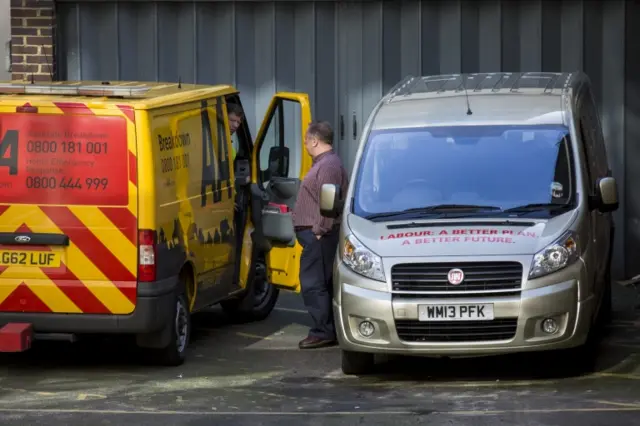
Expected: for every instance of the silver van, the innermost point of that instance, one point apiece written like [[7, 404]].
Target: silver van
[[477, 221]]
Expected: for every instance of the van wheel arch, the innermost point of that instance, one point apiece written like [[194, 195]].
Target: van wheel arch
[[168, 346], [188, 282], [259, 297]]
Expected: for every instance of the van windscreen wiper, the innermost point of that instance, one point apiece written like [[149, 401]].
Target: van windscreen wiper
[[537, 206], [438, 208]]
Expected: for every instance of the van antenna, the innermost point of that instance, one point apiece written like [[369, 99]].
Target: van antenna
[[46, 57], [464, 84], [179, 82]]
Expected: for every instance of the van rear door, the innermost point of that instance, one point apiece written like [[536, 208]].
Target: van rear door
[[68, 208]]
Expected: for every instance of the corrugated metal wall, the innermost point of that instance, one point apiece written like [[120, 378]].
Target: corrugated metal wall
[[5, 38], [347, 54]]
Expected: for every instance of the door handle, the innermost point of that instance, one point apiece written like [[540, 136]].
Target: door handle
[[341, 127], [355, 130]]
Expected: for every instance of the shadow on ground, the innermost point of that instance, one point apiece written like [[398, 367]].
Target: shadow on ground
[[216, 342]]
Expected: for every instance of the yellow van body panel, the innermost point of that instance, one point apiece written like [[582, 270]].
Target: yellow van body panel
[[64, 187], [194, 191]]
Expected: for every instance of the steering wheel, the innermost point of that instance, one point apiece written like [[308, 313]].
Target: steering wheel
[[425, 185]]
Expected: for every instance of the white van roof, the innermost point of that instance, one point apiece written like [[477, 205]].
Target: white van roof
[[493, 98]]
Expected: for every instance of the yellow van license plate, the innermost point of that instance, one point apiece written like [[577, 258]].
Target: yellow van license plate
[[38, 259]]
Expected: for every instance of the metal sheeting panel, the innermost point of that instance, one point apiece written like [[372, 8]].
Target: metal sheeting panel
[[260, 47], [347, 54]]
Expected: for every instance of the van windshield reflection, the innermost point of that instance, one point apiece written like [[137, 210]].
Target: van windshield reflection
[[465, 170]]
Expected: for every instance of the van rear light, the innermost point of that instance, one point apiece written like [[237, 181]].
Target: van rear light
[[146, 255]]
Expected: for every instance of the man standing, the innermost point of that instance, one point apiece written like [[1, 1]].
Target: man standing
[[318, 235]]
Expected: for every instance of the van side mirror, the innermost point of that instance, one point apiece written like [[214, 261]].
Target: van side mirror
[[607, 194], [331, 202], [279, 161]]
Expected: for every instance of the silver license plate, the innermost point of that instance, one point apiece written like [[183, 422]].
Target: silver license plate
[[456, 312]]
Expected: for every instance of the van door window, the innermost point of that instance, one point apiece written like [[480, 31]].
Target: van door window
[[281, 154], [587, 132], [240, 138], [599, 162], [226, 162], [588, 152]]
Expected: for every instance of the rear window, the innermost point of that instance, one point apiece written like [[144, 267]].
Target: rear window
[[63, 159]]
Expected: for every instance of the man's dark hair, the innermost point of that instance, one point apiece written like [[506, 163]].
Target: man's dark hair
[[236, 109], [321, 130]]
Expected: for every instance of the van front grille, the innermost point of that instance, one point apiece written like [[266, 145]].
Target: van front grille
[[403, 297], [456, 331], [478, 276]]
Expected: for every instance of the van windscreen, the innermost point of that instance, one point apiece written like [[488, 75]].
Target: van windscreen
[[500, 166]]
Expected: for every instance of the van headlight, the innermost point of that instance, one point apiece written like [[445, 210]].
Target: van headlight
[[555, 256], [362, 260]]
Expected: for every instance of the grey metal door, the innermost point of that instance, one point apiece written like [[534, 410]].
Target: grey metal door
[[359, 56]]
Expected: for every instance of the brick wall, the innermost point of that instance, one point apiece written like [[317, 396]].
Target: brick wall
[[32, 35]]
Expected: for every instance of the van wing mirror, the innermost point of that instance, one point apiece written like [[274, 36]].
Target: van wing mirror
[[279, 161], [331, 202], [608, 194]]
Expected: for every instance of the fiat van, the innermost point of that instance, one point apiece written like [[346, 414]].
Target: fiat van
[[477, 221]]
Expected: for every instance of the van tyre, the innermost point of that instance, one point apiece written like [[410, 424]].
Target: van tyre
[[359, 363], [579, 360], [179, 329], [257, 302]]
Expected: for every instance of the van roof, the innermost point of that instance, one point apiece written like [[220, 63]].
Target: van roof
[[140, 94], [493, 98]]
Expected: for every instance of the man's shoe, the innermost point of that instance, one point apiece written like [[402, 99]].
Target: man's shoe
[[315, 342]]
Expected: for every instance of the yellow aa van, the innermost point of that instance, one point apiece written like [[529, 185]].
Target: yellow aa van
[[122, 210]]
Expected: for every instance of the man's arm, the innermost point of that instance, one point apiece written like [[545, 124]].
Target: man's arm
[[326, 175]]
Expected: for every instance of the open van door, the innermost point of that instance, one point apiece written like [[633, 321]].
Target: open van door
[[280, 162]]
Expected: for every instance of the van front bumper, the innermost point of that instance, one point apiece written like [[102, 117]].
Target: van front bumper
[[517, 318], [154, 304]]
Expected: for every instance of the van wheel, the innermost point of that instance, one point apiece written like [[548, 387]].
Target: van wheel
[[357, 362], [257, 302], [579, 360], [179, 329]]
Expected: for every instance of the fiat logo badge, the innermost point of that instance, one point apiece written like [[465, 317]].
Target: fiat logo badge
[[455, 276]]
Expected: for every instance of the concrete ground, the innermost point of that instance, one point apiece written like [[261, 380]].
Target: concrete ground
[[255, 374]]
